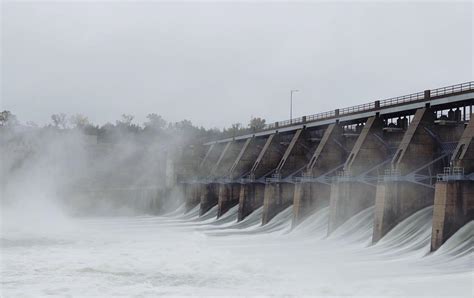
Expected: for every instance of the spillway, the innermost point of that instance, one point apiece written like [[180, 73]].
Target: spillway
[[183, 254]]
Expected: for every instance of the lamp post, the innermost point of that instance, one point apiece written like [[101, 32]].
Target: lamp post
[[291, 104]]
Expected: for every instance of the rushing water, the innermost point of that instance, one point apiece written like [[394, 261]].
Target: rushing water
[[182, 254]]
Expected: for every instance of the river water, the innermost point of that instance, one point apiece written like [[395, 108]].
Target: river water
[[182, 254]]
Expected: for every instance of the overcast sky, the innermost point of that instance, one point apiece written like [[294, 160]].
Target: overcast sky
[[217, 64]]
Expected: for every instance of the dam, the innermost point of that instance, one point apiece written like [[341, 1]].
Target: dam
[[398, 155]]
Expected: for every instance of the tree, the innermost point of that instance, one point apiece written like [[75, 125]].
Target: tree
[[59, 120], [234, 129], [155, 121], [8, 119], [184, 125], [126, 120], [79, 121], [257, 123]]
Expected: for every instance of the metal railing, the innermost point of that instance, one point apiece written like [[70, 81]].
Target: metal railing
[[274, 178], [390, 175], [400, 100], [344, 175], [449, 174], [452, 89], [358, 108]]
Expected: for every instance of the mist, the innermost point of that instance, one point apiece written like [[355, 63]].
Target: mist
[[95, 205], [110, 113]]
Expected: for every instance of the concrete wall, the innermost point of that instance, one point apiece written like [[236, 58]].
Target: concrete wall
[[398, 199], [308, 198], [454, 200], [192, 193], [350, 196], [368, 150], [246, 157], [330, 153], [209, 197], [250, 198], [285, 153], [229, 194], [348, 199], [230, 153], [270, 155], [277, 197], [280, 195], [453, 208], [395, 201], [463, 155], [252, 193], [417, 146]]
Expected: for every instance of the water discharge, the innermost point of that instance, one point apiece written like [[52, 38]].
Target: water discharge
[[184, 254]]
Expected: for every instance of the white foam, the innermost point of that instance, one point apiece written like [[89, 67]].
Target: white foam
[[151, 256]]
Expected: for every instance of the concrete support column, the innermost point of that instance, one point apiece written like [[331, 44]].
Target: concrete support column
[[347, 199], [454, 199], [228, 197], [250, 198], [349, 195], [192, 195], [328, 155], [277, 197], [209, 197], [453, 208], [308, 197], [395, 201]]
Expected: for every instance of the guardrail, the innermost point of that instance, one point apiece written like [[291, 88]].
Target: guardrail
[[449, 174], [400, 100]]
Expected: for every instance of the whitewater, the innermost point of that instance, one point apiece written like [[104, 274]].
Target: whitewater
[[183, 254]]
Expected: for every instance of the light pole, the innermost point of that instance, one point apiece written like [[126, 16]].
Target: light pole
[[291, 104]]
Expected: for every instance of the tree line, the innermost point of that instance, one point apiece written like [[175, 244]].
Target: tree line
[[154, 125]]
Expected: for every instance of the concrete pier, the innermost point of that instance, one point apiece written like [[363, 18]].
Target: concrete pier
[[401, 194], [238, 162], [280, 189], [229, 194], [350, 194], [231, 191], [453, 208], [396, 198], [386, 152], [192, 189], [192, 196], [313, 191], [454, 192], [252, 190], [250, 198], [277, 197], [309, 197], [209, 190], [209, 197]]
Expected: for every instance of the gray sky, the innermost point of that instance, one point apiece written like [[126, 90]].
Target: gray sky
[[216, 64]]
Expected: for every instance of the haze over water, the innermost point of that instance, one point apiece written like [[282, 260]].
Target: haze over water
[[181, 254], [102, 97]]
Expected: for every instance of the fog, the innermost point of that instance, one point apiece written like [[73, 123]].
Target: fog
[[92, 205], [70, 226], [70, 172]]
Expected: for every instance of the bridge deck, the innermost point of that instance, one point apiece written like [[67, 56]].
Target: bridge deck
[[445, 96]]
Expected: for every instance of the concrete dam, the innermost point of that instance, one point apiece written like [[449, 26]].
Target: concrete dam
[[397, 155]]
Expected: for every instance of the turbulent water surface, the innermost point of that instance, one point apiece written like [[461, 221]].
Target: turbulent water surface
[[181, 254]]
